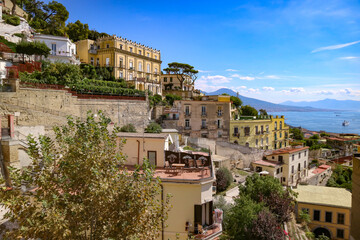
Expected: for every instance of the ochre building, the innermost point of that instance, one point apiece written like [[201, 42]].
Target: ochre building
[[131, 61]]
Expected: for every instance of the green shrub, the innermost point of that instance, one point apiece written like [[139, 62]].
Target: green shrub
[[170, 98], [12, 20], [128, 128], [11, 45], [153, 128], [189, 148], [223, 179]]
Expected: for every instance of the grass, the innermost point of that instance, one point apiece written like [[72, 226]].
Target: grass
[[241, 172]]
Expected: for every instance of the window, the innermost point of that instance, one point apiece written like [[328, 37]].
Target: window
[[341, 218], [299, 155], [219, 134], [267, 140], [107, 46], [155, 57], [131, 64], [165, 79], [262, 129], [281, 169], [120, 46], [107, 60], [247, 131], [53, 49], [256, 142], [148, 54], [316, 216], [304, 164], [262, 141], [328, 217], [155, 70], [256, 129], [305, 153], [151, 155], [131, 49], [280, 125], [148, 68], [203, 110], [91, 46], [140, 66], [121, 62], [340, 233], [219, 123], [275, 125], [280, 145], [121, 75], [187, 110], [292, 157], [267, 128], [219, 111], [98, 46], [92, 61], [275, 136], [203, 123], [278, 171], [280, 135], [140, 52], [292, 169], [236, 130], [97, 62], [170, 79], [187, 123]]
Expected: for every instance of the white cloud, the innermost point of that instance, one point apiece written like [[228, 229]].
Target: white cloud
[[253, 90], [333, 47], [211, 83], [272, 77], [348, 58], [231, 70], [350, 91], [203, 71], [294, 90], [268, 89], [247, 78], [325, 92]]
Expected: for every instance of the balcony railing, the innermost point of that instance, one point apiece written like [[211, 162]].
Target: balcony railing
[[188, 114], [236, 135], [203, 127], [93, 51], [131, 68], [187, 128], [203, 114]]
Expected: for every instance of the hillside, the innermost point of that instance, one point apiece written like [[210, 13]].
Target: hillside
[[270, 107], [328, 103]]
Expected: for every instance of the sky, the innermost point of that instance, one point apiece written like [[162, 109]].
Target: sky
[[270, 50]]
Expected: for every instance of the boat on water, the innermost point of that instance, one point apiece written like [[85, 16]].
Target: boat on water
[[345, 123]]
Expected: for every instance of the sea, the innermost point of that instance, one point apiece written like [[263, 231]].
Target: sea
[[326, 121]]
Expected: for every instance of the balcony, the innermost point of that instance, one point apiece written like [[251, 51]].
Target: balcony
[[219, 113], [203, 114], [187, 128], [93, 51], [188, 114], [236, 135], [156, 73], [203, 127], [257, 132]]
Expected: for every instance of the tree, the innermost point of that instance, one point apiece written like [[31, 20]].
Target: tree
[[223, 179], [32, 48], [82, 189], [297, 134], [77, 31], [236, 101], [248, 111], [183, 71], [153, 128], [47, 18], [128, 128], [263, 112], [94, 35], [265, 227], [170, 98]]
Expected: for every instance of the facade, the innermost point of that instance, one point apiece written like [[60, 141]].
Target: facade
[[171, 85], [355, 210], [208, 118], [264, 132], [190, 187], [134, 62], [289, 165], [62, 49], [329, 209]]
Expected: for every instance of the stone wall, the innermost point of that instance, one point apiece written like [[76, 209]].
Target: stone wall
[[62, 103]]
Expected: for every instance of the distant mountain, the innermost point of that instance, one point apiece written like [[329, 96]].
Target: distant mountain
[[328, 103], [270, 107]]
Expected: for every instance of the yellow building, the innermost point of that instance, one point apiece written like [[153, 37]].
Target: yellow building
[[264, 132], [329, 209], [130, 60], [190, 185], [355, 210]]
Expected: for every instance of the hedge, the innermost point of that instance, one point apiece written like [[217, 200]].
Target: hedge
[[12, 20]]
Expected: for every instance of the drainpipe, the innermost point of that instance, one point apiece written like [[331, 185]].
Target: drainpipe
[[162, 209], [138, 158]]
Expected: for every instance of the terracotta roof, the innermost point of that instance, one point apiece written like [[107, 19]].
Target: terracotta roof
[[287, 150], [267, 163], [140, 135], [321, 169]]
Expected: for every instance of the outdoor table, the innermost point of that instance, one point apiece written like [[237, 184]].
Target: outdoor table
[[178, 166]]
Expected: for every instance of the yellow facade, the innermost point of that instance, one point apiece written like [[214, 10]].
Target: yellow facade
[[355, 210], [329, 210], [130, 60], [265, 132]]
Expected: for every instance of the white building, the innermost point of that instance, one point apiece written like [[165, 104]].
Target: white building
[[62, 49], [289, 165]]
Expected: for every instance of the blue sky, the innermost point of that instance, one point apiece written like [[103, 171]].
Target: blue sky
[[269, 50]]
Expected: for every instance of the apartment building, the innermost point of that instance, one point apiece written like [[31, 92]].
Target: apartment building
[[187, 176], [134, 62], [172, 85], [62, 49], [206, 118], [289, 165], [264, 132], [329, 209], [355, 210]]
